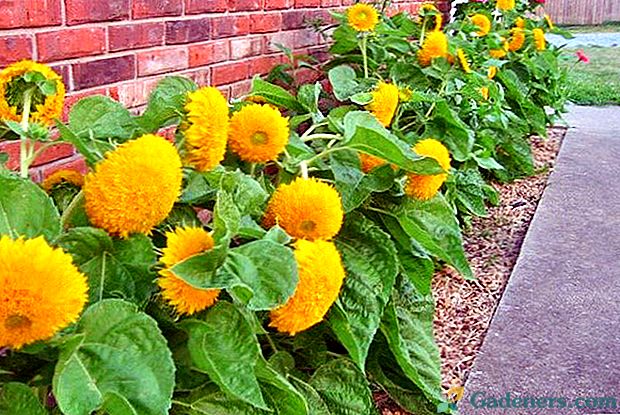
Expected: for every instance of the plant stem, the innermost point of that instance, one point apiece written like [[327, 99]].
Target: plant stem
[[324, 153], [319, 136], [304, 169], [24, 162], [363, 47], [272, 344]]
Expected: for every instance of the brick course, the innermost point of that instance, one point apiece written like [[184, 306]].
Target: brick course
[[121, 48]]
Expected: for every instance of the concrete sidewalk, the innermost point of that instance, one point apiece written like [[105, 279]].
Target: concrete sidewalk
[[586, 39], [556, 332]]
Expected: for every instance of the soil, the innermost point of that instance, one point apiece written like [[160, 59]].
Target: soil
[[465, 308]]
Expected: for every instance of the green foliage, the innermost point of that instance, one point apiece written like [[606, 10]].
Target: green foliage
[[17, 398]]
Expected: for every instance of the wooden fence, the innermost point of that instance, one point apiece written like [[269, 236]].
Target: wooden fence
[[583, 12]]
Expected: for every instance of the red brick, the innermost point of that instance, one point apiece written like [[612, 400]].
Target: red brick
[[161, 61], [15, 48], [307, 3], [56, 152], [155, 8], [229, 72], [65, 73], [74, 97], [293, 19], [103, 71], [330, 3], [200, 76], [187, 31], [72, 43], [278, 4], [82, 11], [266, 23], [29, 13], [246, 47], [263, 64], [239, 89], [243, 5], [133, 36], [208, 53], [227, 26], [76, 163], [294, 39], [136, 92], [205, 6]]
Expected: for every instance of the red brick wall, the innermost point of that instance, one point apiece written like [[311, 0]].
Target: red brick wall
[[121, 48]]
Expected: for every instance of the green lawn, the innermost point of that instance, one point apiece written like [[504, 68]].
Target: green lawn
[[605, 27], [596, 83]]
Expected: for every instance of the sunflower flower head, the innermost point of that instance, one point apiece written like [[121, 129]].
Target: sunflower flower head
[[429, 9], [517, 39], [258, 133], [135, 187], [501, 52], [15, 79], [483, 23], [362, 17], [435, 46], [206, 129], [484, 91], [539, 39], [505, 5], [426, 187], [306, 209], [70, 177], [41, 291], [182, 244], [460, 53], [384, 102], [520, 22], [492, 72], [321, 275]]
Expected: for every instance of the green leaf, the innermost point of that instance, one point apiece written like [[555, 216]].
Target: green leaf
[[408, 328], [276, 95], [283, 397], [115, 267], [316, 404], [308, 97], [25, 209], [247, 194], [166, 102], [91, 150], [353, 185], [364, 133], [369, 257], [226, 217], [101, 118], [432, 224], [117, 361], [266, 270], [18, 399], [210, 400], [447, 126], [224, 345], [345, 40], [343, 81], [469, 190], [344, 388]]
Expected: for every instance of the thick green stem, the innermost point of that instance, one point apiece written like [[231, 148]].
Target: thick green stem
[[24, 151], [324, 153], [364, 47]]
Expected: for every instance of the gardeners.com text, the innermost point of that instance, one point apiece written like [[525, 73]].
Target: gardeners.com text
[[483, 400]]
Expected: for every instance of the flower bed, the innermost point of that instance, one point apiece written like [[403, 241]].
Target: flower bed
[[277, 255]]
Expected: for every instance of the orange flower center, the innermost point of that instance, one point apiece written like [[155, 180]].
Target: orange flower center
[[17, 321], [259, 138], [308, 226]]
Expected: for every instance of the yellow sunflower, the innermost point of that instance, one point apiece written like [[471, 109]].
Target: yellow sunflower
[[539, 39], [517, 40], [520, 22], [71, 177], [43, 109], [135, 187], [484, 91], [41, 291], [384, 102], [207, 128], [505, 5], [501, 52], [460, 53], [306, 209], [182, 244], [483, 23], [369, 163], [258, 133], [492, 72], [362, 17], [435, 46], [429, 7], [426, 187], [321, 275]]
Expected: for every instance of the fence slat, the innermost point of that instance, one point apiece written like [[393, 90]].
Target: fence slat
[[588, 12]]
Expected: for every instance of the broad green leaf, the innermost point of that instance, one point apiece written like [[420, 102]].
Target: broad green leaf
[[264, 269], [210, 400], [25, 209], [114, 267], [432, 224], [91, 150], [370, 260], [308, 97], [226, 217], [343, 81], [515, 154], [247, 194], [447, 127], [344, 388], [316, 404], [117, 360], [276, 95], [469, 190], [283, 397], [353, 185], [101, 118], [166, 102], [345, 40], [408, 327], [364, 133], [224, 346], [19, 399]]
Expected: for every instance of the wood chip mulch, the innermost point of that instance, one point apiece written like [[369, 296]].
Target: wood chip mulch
[[492, 244]]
